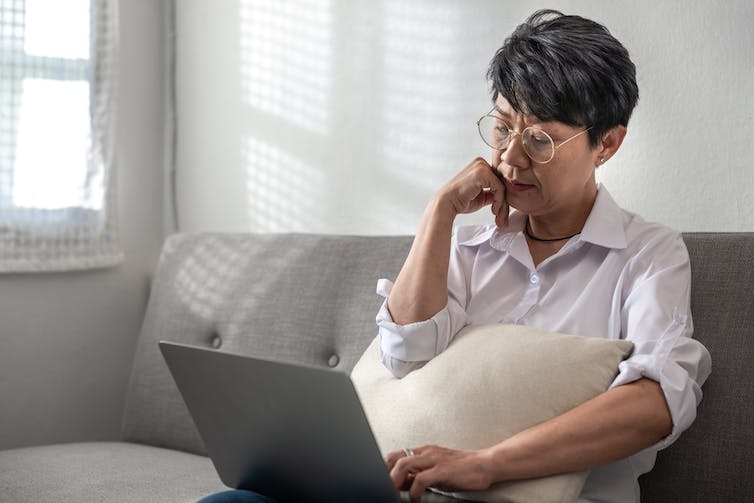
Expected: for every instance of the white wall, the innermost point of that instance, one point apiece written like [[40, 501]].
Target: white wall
[[345, 117], [67, 339]]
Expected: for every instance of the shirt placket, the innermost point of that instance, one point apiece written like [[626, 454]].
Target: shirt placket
[[529, 299], [518, 250]]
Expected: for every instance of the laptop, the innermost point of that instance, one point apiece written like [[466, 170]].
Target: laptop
[[291, 432]]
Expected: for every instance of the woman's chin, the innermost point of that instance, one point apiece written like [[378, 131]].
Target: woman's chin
[[521, 204]]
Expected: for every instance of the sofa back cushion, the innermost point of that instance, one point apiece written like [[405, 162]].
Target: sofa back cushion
[[710, 460], [300, 298]]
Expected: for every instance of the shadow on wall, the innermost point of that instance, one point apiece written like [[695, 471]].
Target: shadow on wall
[[343, 101]]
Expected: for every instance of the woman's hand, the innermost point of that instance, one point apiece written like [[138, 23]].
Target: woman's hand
[[439, 467], [475, 187], [421, 289]]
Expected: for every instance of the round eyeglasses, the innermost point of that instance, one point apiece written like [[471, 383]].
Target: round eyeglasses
[[537, 144]]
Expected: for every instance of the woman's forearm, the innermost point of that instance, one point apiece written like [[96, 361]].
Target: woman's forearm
[[421, 289], [611, 426]]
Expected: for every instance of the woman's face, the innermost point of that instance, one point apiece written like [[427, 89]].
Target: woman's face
[[565, 183]]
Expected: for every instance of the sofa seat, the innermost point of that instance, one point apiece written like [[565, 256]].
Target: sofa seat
[[104, 472], [117, 472]]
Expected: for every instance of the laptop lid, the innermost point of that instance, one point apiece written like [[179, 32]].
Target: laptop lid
[[291, 432]]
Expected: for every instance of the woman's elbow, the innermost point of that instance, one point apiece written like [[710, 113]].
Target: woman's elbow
[[659, 420], [399, 368]]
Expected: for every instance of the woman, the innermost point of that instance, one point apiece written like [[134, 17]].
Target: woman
[[567, 260]]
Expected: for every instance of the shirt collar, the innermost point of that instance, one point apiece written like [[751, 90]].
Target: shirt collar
[[498, 237], [604, 227], [605, 224]]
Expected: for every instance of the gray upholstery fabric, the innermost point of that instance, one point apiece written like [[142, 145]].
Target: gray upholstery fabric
[[714, 460], [113, 472], [301, 298], [104, 472], [310, 299], [306, 298]]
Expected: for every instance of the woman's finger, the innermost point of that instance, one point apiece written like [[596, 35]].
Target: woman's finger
[[391, 458], [475, 186], [501, 215], [422, 481], [406, 467], [500, 206]]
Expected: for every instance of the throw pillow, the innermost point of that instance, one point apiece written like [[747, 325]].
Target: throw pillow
[[490, 383]]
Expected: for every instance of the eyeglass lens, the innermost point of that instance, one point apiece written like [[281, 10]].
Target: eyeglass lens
[[537, 144]]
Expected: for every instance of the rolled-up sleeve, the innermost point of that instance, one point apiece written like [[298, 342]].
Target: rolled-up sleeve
[[656, 317], [404, 348]]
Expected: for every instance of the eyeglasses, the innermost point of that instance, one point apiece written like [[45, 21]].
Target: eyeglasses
[[537, 144]]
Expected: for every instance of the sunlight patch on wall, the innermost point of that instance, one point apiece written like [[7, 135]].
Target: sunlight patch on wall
[[286, 60], [419, 118], [284, 192]]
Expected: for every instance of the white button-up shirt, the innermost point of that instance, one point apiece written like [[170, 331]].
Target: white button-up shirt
[[621, 278]]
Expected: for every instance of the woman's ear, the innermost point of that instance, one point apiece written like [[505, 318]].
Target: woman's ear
[[609, 145]]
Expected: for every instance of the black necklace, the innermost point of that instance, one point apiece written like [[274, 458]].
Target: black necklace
[[527, 231]]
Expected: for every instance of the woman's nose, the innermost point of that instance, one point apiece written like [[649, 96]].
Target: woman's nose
[[515, 154]]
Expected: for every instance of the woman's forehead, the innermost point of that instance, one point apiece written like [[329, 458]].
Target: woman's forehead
[[506, 111]]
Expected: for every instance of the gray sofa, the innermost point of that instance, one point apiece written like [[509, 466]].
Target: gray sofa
[[310, 299]]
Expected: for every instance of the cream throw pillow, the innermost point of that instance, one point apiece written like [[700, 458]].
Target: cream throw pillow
[[490, 383]]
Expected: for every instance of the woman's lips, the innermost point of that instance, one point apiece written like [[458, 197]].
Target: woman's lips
[[516, 186]]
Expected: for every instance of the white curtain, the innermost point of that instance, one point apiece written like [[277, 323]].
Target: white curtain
[[58, 73]]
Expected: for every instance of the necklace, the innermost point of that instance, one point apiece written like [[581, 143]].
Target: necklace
[[527, 231]]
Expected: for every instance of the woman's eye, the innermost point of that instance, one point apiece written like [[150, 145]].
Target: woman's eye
[[501, 131], [539, 138]]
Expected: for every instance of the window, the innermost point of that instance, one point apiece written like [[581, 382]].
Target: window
[[57, 76]]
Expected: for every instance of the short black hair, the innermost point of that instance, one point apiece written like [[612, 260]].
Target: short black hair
[[566, 68]]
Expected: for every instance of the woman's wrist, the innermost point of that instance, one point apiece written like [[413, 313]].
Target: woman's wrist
[[496, 460], [437, 220], [442, 208]]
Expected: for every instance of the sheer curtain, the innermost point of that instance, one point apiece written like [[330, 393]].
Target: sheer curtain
[[58, 64]]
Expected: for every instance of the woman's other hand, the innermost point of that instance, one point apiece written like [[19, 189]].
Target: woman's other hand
[[474, 187], [441, 468]]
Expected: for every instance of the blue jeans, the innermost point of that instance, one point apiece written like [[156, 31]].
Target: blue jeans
[[242, 496], [236, 496]]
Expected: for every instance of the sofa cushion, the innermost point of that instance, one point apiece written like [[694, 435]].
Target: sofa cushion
[[490, 383], [104, 472], [291, 297], [114, 472], [708, 461]]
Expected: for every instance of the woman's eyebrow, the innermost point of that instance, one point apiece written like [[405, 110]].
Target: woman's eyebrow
[[528, 119], [510, 115]]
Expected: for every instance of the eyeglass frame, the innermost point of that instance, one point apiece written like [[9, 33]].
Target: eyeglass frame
[[513, 132]]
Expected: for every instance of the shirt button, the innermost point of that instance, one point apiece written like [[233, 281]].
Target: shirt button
[[333, 361], [533, 278]]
